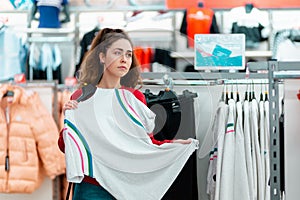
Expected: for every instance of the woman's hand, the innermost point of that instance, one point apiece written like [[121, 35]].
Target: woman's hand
[[70, 105], [181, 141]]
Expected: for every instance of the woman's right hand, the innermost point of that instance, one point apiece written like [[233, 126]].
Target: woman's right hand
[[70, 105]]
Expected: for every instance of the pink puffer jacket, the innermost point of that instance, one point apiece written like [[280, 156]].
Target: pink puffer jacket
[[28, 142]]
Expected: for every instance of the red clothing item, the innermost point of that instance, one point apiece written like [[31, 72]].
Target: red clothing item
[[140, 96], [199, 21]]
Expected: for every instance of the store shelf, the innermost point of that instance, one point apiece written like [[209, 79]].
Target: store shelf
[[51, 39], [262, 54], [55, 31], [256, 54]]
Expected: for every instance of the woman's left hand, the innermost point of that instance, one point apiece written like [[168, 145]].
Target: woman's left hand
[[70, 105]]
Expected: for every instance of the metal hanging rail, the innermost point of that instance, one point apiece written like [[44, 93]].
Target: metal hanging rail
[[204, 75]]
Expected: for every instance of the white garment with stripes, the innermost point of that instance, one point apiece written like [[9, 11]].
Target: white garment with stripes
[[248, 148], [215, 163], [241, 184], [227, 173], [256, 157], [223, 114], [106, 138]]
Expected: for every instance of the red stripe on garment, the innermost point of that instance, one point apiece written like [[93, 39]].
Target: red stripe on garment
[[230, 131]]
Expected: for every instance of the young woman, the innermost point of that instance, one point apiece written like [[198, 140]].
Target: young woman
[[110, 64]]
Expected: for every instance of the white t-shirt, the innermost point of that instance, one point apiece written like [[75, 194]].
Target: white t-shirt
[[106, 138]]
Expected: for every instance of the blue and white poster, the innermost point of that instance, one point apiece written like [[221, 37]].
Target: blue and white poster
[[219, 51]]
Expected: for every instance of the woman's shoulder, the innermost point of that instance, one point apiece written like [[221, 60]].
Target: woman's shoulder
[[137, 93]]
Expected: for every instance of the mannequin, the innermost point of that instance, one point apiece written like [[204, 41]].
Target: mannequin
[[198, 20], [49, 13]]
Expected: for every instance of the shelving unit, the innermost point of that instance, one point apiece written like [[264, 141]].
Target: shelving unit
[[256, 54], [147, 34], [276, 72]]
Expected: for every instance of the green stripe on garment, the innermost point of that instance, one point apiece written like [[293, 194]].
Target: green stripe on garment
[[126, 110], [230, 125], [85, 144]]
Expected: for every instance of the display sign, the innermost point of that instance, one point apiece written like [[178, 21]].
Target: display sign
[[219, 51]]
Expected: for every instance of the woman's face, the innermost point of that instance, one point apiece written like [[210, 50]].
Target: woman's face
[[118, 58]]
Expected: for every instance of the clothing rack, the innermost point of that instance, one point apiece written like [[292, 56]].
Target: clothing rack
[[273, 73], [276, 71], [61, 36]]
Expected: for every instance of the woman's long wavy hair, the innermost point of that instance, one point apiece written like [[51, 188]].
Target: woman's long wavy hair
[[91, 69]]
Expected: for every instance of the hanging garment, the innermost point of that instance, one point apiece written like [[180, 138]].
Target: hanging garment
[[241, 188], [227, 172], [256, 158], [253, 128], [120, 154], [262, 145], [145, 57], [85, 45], [29, 137], [167, 109], [248, 148], [288, 50], [185, 185], [280, 40], [50, 59], [215, 163], [267, 151], [175, 115], [138, 52], [211, 174], [162, 56], [45, 61], [187, 127], [224, 109], [11, 49], [255, 25], [253, 34], [148, 55], [197, 20]]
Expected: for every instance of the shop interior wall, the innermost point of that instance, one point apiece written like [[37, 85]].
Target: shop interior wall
[[292, 138]]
